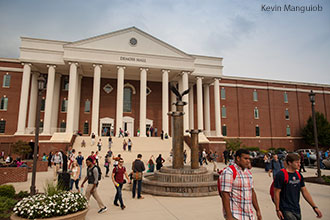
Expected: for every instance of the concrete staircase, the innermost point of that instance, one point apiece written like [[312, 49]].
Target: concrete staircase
[[146, 146]]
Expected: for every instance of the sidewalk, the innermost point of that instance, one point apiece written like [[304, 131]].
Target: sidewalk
[[168, 208]]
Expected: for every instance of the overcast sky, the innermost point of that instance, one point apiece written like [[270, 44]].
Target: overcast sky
[[281, 45]]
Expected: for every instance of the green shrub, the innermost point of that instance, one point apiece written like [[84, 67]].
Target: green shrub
[[22, 194], [326, 178], [7, 191], [51, 189], [6, 206]]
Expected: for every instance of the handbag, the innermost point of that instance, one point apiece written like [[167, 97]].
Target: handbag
[[137, 175]]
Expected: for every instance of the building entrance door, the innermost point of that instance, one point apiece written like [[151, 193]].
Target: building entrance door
[[128, 126], [106, 126]]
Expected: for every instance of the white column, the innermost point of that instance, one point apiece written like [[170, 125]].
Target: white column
[[56, 103], [96, 99], [217, 108], [185, 86], [143, 101], [200, 103], [120, 98], [165, 101], [33, 102], [207, 109], [191, 107], [24, 99], [72, 98], [49, 99], [77, 105]]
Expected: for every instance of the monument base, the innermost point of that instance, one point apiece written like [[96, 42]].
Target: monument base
[[184, 182]]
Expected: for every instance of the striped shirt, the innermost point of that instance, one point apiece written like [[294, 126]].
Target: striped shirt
[[240, 191]]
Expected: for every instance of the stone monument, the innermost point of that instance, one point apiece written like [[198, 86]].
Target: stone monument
[[179, 180]]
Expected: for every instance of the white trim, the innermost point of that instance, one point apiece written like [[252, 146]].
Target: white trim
[[275, 81], [11, 60], [272, 88], [11, 69]]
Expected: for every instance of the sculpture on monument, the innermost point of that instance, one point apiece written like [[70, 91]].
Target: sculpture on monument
[[179, 180]]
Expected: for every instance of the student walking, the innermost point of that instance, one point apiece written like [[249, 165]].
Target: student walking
[[93, 181], [92, 139], [75, 171], [118, 180], [275, 166], [99, 144], [237, 191], [137, 168], [129, 145], [288, 184], [80, 160]]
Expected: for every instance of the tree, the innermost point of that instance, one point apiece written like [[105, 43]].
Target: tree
[[234, 145], [21, 148], [323, 131]]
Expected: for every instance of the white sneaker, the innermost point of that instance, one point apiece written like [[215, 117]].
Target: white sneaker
[[104, 209]]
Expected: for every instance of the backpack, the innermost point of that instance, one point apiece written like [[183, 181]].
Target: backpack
[[100, 172], [232, 167], [286, 180]]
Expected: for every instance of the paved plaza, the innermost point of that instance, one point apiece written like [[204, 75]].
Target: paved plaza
[[168, 208]]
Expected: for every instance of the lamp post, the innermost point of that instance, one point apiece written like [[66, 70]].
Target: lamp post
[[312, 99], [41, 87]]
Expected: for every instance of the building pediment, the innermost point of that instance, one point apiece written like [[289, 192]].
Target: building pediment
[[131, 41]]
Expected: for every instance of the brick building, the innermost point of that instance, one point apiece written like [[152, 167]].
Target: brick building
[[121, 80]]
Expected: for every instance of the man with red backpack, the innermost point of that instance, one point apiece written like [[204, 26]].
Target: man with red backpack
[[236, 189], [288, 184]]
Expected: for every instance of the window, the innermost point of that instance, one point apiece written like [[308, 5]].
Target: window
[[41, 124], [286, 100], [86, 127], [43, 103], [287, 116], [224, 130], [62, 126], [2, 126], [223, 93], [64, 106], [257, 131], [223, 112], [87, 106], [127, 99], [6, 81], [288, 131], [4, 103], [256, 113], [66, 83], [255, 95]]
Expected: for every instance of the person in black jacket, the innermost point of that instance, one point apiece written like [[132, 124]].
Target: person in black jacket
[[138, 168]]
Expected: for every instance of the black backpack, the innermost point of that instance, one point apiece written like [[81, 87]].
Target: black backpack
[[100, 172]]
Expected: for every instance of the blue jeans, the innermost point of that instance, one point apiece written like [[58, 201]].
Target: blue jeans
[[291, 215], [119, 195], [80, 166], [139, 183], [76, 183]]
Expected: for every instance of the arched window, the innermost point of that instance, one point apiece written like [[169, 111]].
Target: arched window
[[2, 126], [6, 81], [86, 128], [4, 103], [127, 99], [87, 106], [224, 112], [288, 131], [43, 104], [64, 106], [256, 113]]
